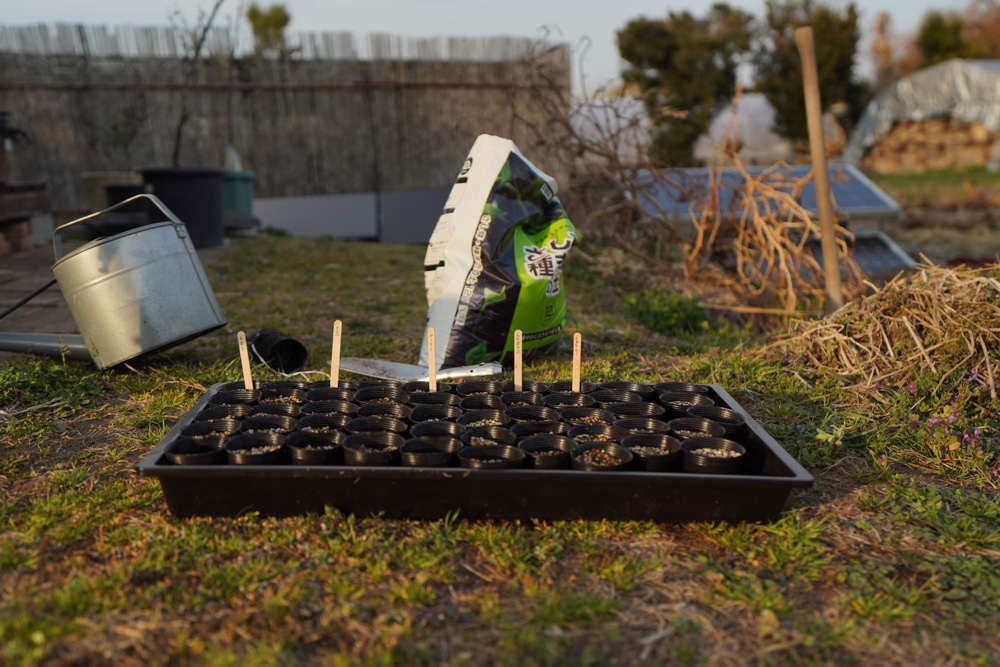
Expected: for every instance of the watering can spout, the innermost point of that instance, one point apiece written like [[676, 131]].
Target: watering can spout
[[68, 346]]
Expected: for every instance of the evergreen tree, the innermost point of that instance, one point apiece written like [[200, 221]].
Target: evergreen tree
[[268, 27], [686, 66], [941, 38], [779, 66]]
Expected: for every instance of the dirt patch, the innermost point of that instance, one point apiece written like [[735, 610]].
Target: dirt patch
[[949, 223]]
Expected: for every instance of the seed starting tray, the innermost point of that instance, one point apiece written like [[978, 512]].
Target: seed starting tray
[[758, 494]]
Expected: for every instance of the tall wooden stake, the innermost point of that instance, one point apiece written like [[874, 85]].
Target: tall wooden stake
[[821, 178]]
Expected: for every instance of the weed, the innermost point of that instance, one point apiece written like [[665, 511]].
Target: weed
[[533, 645], [791, 547], [33, 391], [625, 573], [667, 313], [687, 626], [956, 518], [564, 606], [952, 431]]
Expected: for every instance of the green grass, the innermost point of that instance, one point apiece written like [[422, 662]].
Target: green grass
[[972, 175], [891, 556]]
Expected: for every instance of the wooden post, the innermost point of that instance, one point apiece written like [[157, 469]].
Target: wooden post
[[821, 177]]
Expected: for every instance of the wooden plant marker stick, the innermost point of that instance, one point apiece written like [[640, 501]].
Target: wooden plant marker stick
[[245, 360], [577, 350], [432, 380], [821, 177], [518, 370], [335, 356]]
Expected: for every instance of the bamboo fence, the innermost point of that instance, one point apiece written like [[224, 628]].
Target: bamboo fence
[[339, 115]]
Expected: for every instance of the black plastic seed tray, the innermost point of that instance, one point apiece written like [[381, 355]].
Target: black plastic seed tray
[[758, 493]]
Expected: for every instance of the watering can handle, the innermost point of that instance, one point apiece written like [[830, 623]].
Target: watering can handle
[[57, 237]]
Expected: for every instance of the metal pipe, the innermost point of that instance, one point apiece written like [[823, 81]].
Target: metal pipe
[[8, 311], [69, 346]]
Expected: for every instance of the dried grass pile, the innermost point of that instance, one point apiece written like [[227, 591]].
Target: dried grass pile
[[936, 320]]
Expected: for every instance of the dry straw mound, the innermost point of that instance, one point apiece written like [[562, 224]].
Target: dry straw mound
[[937, 320]]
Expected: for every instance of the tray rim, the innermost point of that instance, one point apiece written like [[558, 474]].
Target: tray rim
[[148, 466]]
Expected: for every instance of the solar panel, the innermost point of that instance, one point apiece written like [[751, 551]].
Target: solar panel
[[878, 257], [677, 193]]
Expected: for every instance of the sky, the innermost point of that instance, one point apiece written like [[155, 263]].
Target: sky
[[588, 27]]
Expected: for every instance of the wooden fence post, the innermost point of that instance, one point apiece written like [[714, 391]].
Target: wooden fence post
[[821, 177]]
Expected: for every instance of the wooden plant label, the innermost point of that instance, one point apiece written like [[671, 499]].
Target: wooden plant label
[[577, 352], [432, 383], [245, 360], [335, 355], [518, 349]]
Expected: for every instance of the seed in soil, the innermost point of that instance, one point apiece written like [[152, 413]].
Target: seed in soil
[[278, 399], [482, 442], [210, 434], [262, 449], [385, 399], [688, 404], [487, 459], [318, 429], [546, 450], [367, 449], [520, 403], [599, 457], [588, 420], [685, 434], [716, 452], [484, 422], [275, 429], [647, 450], [593, 437], [316, 447]]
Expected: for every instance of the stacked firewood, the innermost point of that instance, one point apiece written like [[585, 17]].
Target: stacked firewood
[[15, 237], [929, 145]]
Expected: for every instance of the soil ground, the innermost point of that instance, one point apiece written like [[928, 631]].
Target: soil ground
[[878, 563], [947, 220]]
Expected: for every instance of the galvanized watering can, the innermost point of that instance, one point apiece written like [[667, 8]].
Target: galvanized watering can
[[134, 293]]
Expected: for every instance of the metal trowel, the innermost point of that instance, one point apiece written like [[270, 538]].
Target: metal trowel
[[390, 370]]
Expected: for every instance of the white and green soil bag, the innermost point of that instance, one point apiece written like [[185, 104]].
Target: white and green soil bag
[[493, 263]]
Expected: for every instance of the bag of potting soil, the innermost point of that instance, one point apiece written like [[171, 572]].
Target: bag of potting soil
[[493, 263]]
